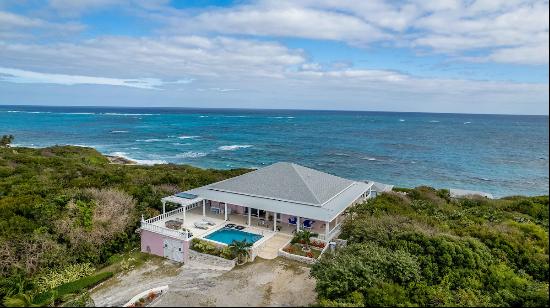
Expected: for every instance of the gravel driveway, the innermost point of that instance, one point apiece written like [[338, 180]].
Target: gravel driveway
[[277, 282]]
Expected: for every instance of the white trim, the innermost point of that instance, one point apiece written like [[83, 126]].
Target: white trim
[[180, 235], [225, 210]]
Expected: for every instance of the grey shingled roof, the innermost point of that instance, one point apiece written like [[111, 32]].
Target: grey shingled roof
[[286, 182]]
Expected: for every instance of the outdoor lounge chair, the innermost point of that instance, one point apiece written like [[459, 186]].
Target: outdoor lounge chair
[[200, 225], [292, 220], [208, 222]]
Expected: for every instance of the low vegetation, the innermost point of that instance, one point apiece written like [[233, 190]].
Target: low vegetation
[[419, 247], [302, 245], [202, 246], [65, 210], [68, 219]]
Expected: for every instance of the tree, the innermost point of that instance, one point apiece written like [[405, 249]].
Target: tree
[[6, 140], [24, 300], [241, 250]]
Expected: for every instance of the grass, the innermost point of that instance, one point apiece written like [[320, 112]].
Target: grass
[[122, 262]]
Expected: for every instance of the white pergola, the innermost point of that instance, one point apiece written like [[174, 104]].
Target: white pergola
[[184, 203]]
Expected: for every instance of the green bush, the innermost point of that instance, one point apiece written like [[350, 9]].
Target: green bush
[[47, 213], [423, 248], [57, 277], [211, 249], [73, 287]]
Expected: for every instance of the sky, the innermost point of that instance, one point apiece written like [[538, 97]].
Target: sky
[[472, 56]]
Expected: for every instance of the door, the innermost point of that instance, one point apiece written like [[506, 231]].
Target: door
[[173, 250]]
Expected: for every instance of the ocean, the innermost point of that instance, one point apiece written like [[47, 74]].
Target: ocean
[[500, 154]]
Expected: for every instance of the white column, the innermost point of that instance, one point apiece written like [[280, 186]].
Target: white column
[[297, 223], [266, 216], [163, 207], [274, 221], [225, 210], [249, 215], [203, 207], [327, 230], [184, 211]]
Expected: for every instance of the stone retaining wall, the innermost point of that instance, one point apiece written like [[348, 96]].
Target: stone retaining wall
[[203, 258], [298, 258]]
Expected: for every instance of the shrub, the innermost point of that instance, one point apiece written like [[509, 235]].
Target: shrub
[[73, 287], [211, 249], [463, 252], [57, 277]]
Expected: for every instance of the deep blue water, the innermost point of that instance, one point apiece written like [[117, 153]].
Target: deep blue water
[[500, 154], [227, 236]]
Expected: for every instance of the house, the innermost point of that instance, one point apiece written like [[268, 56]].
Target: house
[[278, 199]]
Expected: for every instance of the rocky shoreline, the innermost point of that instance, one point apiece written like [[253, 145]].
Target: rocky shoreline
[[120, 160]]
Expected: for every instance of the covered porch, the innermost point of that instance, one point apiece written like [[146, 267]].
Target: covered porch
[[194, 212]]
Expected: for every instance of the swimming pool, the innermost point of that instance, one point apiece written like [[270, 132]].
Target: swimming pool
[[227, 236]]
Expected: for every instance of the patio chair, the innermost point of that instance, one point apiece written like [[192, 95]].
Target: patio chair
[[200, 225], [292, 221], [208, 222], [308, 224]]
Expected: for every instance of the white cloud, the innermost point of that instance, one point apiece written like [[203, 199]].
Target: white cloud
[[10, 20], [23, 76], [234, 51], [451, 27], [174, 57], [537, 54], [280, 20], [14, 26]]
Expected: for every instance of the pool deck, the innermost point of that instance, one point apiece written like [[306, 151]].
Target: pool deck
[[195, 215]]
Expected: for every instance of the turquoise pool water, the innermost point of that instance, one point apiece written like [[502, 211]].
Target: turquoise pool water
[[227, 236]]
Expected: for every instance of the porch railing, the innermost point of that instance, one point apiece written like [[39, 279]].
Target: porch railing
[[331, 234], [165, 215], [184, 235]]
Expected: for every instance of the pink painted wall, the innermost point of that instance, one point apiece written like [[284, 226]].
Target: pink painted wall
[[236, 208], [186, 246], [154, 241]]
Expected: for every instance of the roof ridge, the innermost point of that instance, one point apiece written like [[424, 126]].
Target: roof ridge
[[304, 181]]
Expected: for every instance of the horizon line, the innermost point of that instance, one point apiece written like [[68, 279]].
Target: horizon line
[[272, 109]]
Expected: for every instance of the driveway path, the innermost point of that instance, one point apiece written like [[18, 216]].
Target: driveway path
[[277, 282]]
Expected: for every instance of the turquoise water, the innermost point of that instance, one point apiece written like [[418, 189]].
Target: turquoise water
[[227, 236], [500, 154]]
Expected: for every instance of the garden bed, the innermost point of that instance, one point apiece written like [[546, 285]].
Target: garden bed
[[294, 250], [297, 249], [206, 247]]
